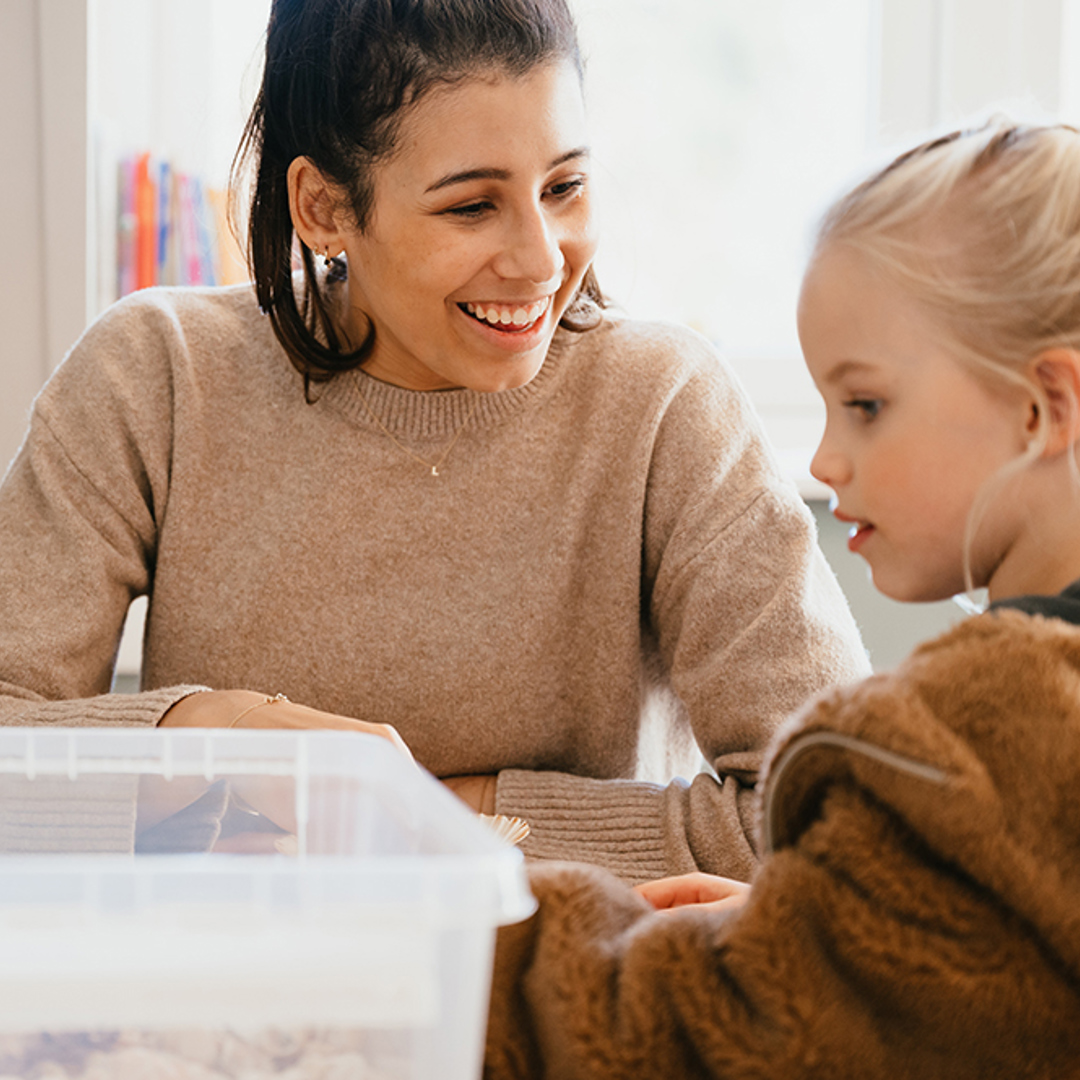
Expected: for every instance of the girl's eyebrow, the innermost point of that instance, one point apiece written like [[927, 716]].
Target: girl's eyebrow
[[846, 367], [466, 175]]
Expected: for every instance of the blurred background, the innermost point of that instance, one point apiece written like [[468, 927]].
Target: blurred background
[[721, 130]]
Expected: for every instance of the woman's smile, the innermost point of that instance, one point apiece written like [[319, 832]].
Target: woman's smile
[[509, 317]]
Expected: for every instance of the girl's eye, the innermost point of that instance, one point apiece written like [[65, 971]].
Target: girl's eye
[[868, 408]]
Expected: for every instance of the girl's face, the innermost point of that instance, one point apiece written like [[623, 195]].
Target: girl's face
[[480, 234], [911, 436]]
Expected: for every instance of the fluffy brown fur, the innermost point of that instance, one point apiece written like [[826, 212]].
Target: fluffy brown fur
[[905, 923]]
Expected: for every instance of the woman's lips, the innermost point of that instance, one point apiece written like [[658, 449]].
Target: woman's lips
[[513, 317]]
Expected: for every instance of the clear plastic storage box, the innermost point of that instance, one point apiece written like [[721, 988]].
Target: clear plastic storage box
[[243, 904]]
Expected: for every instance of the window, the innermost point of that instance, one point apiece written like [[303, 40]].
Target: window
[[723, 129]]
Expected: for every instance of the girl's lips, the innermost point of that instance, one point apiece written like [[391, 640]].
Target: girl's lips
[[859, 534]]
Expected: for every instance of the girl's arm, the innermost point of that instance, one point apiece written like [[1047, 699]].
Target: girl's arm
[[848, 960]]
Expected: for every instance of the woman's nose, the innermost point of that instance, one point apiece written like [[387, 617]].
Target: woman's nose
[[531, 250]]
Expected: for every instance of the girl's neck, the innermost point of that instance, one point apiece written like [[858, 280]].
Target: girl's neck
[[1044, 556]]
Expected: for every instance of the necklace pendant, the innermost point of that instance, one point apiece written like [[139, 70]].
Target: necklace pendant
[[434, 470]]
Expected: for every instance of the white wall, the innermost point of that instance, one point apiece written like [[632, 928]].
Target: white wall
[[82, 81], [42, 129], [21, 305]]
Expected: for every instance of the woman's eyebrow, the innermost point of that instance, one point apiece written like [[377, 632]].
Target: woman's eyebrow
[[466, 175]]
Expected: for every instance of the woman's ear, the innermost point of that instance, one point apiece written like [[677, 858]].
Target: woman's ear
[[313, 207], [1056, 372]]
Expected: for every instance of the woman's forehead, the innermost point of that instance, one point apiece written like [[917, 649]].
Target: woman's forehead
[[487, 122]]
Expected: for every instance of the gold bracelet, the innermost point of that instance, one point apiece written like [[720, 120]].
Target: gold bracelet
[[258, 705]]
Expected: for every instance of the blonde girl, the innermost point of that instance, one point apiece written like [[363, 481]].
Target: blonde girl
[[916, 911], [940, 320]]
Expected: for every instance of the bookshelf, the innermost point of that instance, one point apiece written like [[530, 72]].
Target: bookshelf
[[162, 154]]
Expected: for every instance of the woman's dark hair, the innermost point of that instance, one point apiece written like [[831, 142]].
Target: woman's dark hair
[[338, 74]]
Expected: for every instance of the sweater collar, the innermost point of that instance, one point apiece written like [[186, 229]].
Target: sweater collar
[[424, 414], [1066, 605]]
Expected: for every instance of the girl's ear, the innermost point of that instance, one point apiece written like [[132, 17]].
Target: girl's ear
[[1057, 374], [313, 206]]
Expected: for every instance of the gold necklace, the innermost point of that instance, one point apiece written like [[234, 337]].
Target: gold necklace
[[433, 466]]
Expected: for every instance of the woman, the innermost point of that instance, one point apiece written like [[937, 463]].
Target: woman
[[438, 488]]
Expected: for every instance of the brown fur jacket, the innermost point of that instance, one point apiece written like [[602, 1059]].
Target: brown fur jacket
[[917, 913]]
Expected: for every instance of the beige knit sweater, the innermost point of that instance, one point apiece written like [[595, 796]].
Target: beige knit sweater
[[612, 534]]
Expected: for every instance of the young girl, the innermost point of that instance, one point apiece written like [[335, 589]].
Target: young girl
[[917, 913]]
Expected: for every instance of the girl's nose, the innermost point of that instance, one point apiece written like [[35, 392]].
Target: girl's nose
[[531, 250], [829, 465]]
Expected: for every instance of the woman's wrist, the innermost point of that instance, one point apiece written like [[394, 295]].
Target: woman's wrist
[[477, 791], [212, 708]]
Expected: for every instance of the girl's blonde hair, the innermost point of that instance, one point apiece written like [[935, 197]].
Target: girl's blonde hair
[[981, 227]]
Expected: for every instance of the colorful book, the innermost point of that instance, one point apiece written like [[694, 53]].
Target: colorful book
[[170, 228]]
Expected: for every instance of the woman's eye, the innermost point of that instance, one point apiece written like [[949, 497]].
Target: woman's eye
[[566, 188], [470, 210], [867, 407]]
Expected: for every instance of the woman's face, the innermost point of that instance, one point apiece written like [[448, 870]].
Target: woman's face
[[479, 236]]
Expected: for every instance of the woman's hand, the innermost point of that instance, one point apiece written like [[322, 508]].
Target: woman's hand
[[701, 890], [247, 709], [273, 797], [477, 791]]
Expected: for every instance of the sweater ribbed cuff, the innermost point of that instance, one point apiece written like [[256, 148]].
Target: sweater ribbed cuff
[[616, 824], [53, 814], [144, 709]]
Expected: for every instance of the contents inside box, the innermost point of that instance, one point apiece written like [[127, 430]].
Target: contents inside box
[[201, 1054]]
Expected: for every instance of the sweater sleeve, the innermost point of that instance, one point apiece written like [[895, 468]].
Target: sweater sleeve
[[749, 622], [78, 511]]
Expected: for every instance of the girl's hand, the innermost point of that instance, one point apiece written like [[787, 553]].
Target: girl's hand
[[701, 890], [247, 709], [476, 791]]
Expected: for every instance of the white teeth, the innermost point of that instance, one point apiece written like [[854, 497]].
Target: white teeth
[[509, 315]]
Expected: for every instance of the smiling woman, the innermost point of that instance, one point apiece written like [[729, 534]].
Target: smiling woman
[[428, 484]]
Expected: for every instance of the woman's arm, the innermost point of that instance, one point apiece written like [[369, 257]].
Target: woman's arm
[[747, 621], [76, 546], [248, 709], [81, 510]]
